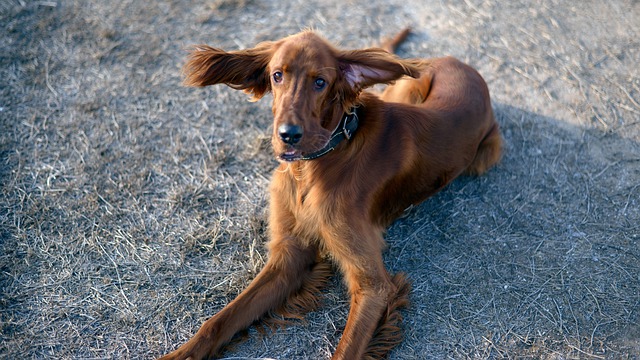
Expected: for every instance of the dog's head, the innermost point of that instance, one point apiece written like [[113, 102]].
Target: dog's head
[[312, 83]]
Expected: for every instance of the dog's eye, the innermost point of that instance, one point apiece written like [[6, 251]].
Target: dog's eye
[[277, 77], [319, 84]]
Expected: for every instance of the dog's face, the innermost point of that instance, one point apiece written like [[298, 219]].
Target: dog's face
[[303, 73], [312, 83]]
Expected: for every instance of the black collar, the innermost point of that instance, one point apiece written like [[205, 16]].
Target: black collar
[[344, 130]]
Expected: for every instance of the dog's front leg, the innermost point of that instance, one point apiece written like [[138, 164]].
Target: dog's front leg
[[371, 288], [283, 274], [367, 306]]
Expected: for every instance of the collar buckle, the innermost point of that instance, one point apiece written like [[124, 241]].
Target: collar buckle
[[349, 118]]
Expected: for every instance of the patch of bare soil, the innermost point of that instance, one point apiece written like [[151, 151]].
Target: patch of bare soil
[[132, 209]]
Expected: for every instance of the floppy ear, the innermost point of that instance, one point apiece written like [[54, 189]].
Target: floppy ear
[[364, 68], [241, 70]]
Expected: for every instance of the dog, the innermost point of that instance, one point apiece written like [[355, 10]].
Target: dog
[[350, 162]]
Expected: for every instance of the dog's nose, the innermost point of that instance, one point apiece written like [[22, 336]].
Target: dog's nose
[[290, 134]]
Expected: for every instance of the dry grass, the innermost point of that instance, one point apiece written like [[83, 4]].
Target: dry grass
[[132, 208]]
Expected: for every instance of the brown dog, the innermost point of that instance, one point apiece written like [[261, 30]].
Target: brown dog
[[350, 163]]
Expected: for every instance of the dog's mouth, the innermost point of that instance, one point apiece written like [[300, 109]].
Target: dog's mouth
[[290, 155]]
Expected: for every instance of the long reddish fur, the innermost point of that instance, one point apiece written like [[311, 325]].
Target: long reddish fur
[[434, 123]]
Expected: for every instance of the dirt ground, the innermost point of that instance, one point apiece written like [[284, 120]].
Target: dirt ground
[[132, 208]]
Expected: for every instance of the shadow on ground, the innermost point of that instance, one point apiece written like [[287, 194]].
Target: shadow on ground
[[539, 257]]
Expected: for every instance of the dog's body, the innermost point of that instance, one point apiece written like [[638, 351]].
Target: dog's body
[[334, 204]]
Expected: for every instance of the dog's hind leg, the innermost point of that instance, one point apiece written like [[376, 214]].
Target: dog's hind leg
[[409, 91], [489, 152]]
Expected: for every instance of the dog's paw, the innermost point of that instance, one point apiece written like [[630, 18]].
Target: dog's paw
[[197, 348]]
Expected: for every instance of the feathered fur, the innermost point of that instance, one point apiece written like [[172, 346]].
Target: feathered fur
[[432, 125]]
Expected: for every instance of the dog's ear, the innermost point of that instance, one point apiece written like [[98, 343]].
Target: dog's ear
[[242, 70], [364, 68]]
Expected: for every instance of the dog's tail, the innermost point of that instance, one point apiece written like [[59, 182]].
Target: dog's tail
[[391, 44]]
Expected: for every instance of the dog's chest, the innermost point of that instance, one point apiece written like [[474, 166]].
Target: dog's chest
[[315, 209], [311, 207]]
